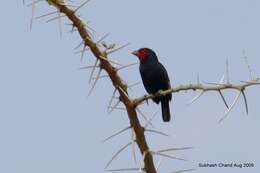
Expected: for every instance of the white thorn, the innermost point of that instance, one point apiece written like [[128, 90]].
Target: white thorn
[[227, 71], [115, 134], [117, 49], [174, 149], [92, 71], [88, 67], [94, 84], [185, 170], [117, 153], [158, 132], [125, 66], [159, 164], [60, 24], [221, 81], [44, 15], [231, 107], [79, 44], [151, 119], [198, 78], [167, 156], [111, 99], [55, 18], [33, 12], [82, 53], [134, 84], [114, 107], [123, 169], [195, 98], [84, 3], [123, 91], [145, 118]]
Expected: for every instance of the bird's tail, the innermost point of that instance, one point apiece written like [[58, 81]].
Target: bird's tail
[[166, 115]]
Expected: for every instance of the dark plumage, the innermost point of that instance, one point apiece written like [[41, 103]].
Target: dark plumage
[[155, 78]]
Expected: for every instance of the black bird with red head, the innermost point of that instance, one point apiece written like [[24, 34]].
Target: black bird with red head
[[155, 78]]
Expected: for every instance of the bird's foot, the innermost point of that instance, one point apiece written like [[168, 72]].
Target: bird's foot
[[146, 99], [160, 92]]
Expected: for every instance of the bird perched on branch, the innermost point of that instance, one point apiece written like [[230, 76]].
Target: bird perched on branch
[[155, 78]]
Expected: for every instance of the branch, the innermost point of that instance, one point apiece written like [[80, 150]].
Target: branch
[[105, 64], [202, 87]]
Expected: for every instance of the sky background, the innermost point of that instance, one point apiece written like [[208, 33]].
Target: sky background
[[49, 125]]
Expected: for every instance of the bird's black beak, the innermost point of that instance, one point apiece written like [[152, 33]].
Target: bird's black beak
[[135, 53]]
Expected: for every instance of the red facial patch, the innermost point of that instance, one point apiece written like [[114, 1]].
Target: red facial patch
[[142, 53]]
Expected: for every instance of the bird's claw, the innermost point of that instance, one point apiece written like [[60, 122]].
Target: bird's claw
[[146, 99], [160, 92]]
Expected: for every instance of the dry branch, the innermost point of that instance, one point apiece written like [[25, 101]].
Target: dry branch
[[115, 78], [202, 87]]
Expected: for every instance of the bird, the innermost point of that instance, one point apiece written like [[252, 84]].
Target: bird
[[155, 78]]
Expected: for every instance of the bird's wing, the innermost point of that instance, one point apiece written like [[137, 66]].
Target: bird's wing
[[155, 78], [163, 76]]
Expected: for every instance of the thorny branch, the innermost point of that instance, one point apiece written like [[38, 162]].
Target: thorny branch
[[115, 78], [103, 63], [214, 87], [218, 87]]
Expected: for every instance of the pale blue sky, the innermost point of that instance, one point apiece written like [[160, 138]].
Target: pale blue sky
[[49, 125]]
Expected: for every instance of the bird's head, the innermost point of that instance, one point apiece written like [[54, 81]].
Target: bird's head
[[144, 54]]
